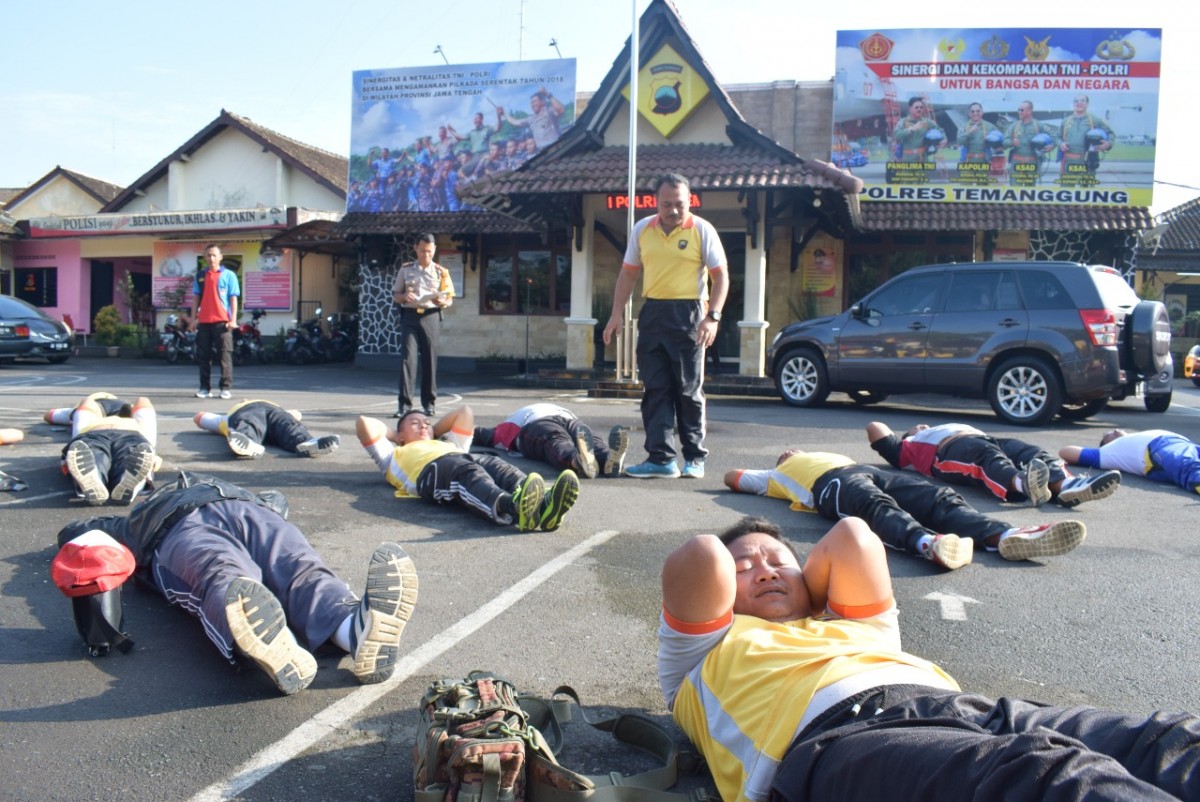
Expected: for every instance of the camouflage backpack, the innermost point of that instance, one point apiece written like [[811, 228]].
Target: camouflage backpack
[[479, 740]]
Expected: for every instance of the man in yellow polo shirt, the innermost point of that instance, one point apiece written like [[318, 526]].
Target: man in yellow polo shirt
[[678, 252], [794, 685]]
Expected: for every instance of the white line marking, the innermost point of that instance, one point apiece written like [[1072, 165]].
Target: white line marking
[[953, 606], [335, 716], [34, 498]]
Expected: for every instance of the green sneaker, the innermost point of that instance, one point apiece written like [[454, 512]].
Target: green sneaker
[[527, 499], [558, 501]]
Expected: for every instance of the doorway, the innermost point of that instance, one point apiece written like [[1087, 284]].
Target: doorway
[[725, 354], [102, 287]]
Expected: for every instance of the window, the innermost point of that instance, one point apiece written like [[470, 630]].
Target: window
[[1043, 291], [910, 296], [37, 285], [523, 275], [873, 259]]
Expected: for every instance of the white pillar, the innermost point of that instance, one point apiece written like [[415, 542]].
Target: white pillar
[[581, 325], [753, 326]]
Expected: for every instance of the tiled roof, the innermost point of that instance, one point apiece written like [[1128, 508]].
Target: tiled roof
[[8, 193], [437, 222], [883, 216], [1182, 232], [327, 169], [707, 167], [102, 191]]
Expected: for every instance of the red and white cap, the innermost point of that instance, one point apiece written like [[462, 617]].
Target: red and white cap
[[91, 563]]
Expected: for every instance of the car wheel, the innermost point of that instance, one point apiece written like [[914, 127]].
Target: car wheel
[[1025, 391], [864, 398], [1158, 403], [800, 378], [1149, 337], [1082, 410], [57, 360]]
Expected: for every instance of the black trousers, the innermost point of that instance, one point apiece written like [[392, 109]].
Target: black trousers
[[899, 507], [553, 441], [218, 337], [419, 342], [267, 424], [112, 449], [474, 481], [671, 367], [991, 463], [909, 742]]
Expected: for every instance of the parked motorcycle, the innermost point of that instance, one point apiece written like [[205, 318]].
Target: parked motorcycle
[[247, 341], [307, 342], [177, 339], [343, 337]]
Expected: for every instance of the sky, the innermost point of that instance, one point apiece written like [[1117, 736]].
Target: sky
[[109, 90]]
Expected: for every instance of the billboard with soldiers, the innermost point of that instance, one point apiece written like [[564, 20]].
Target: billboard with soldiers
[[1010, 115], [418, 134]]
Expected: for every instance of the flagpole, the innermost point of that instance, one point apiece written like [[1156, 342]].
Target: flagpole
[[627, 367]]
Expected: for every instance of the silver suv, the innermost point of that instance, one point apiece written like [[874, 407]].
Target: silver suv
[[1037, 339]]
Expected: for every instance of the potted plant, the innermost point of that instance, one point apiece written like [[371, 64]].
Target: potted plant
[[106, 328]]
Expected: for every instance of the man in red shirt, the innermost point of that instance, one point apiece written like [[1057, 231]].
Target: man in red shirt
[[215, 294]]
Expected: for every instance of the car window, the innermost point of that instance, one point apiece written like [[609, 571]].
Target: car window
[[909, 295], [1041, 289], [13, 307], [1114, 290], [973, 291]]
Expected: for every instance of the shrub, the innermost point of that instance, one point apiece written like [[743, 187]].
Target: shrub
[[105, 326]]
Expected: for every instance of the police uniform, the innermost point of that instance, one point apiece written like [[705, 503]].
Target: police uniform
[[670, 361], [420, 327], [1074, 133]]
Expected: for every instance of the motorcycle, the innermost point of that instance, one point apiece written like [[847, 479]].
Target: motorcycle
[[306, 342], [247, 341], [177, 339], [343, 337]]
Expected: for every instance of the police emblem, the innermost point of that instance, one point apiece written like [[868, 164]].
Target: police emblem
[[683, 244]]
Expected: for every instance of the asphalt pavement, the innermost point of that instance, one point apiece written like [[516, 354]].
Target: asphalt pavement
[[1110, 624]]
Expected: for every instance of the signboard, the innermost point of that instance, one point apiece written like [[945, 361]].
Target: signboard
[[265, 274], [644, 200], [1010, 115], [419, 133], [669, 90], [152, 222]]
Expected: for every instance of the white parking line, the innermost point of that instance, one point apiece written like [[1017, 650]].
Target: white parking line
[[334, 717]]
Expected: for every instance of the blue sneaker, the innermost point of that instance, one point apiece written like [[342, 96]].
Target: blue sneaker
[[693, 469], [653, 470]]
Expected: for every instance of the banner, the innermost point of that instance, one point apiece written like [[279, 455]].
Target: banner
[[265, 274], [419, 133], [1010, 115]]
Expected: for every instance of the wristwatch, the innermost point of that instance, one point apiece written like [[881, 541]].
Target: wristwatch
[[715, 314]]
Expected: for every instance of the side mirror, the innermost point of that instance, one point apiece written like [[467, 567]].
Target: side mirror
[[858, 312]]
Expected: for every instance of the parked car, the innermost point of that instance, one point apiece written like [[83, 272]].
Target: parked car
[[26, 331], [1036, 339], [1191, 365]]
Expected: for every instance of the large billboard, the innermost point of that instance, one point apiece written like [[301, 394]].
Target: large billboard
[[1009, 115], [419, 133]]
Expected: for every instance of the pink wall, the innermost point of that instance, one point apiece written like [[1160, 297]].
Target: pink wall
[[74, 285]]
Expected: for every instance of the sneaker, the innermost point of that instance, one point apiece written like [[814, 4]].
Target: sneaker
[[1047, 540], [243, 446], [585, 464], [558, 501], [693, 469], [261, 633], [319, 445], [950, 551], [618, 444], [1036, 480], [653, 470], [81, 464], [1078, 489], [527, 501], [139, 466], [386, 606], [224, 394], [202, 393]]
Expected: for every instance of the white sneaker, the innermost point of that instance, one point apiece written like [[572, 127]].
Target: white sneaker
[[203, 394], [224, 394], [319, 445], [260, 631], [1036, 480], [950, 551], [141, 463], [1046, 540], [243, 446]]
